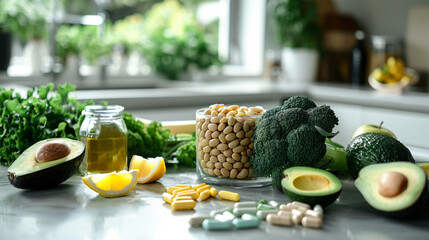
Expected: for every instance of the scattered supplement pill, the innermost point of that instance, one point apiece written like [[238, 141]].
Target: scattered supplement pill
[[203, 188], [297, 218], [213, 192], [312, 222], [262, 201], [262, 214], [274, 204], [263, 206], [171, 189], [183, 205], [230, 196], [182, 185], [198, 186], [194, 195], [312, 213], [167, 197], [282, 220], [197, 220], [286, 213], [220, 211], [245, 204], [223, 218], [247, 216], [180, 198], [249, 210], [180, 190], [228, 214], [241, 223], [286, 207], [205, 195], [318, 208], [301, 205], [213, 224]]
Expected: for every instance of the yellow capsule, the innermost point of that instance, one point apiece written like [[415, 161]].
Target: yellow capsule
[[183, 205], [213, 192], [231, 196], [167, 197], [180, 198], [194, 195], [171, 189], [181, 190], [205, 195], [201, 189], [198, 186], [182, 185]]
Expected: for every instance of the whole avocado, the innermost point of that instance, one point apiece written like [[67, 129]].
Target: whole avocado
[[372, 148]]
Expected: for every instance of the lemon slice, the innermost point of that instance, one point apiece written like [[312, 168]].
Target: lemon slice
[[150, 169], [113, 184]]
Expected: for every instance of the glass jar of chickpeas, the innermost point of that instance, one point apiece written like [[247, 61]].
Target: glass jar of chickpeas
[[225, 144]]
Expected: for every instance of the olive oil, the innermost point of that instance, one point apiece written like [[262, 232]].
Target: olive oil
[[105, 135], [107, 152]]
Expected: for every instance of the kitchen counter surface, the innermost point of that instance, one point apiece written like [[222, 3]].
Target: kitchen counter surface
[[73, 211]]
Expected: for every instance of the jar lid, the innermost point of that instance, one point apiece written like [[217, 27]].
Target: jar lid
[[103, 111]]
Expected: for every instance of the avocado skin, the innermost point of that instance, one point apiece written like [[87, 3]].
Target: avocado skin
[[372, 148], [48, 177]]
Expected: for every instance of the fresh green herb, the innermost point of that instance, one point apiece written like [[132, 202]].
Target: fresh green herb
[[38, 116], [286, 136], [144, 141]]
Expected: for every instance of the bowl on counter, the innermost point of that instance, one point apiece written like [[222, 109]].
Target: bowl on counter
[[396, 87]]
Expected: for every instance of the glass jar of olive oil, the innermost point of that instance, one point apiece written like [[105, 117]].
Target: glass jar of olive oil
[[104, 132]]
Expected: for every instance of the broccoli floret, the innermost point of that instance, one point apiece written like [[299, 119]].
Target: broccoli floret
[[269, 113], [298, 102], [323, 117], [268, 128], [268, 155], [277, 176], [306, 146], [291, 118]]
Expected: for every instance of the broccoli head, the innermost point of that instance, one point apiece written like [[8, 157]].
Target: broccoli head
[[269, 113], [323, 117], [291, 118], [306, 146], [286, 136], [268, 155], [298, 102]]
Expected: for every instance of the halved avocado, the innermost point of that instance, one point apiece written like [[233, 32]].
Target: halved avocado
[[396, 189], [311, 185], [46, 163]]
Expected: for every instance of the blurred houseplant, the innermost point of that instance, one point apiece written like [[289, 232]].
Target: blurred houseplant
[[300, 36], [174, 43], [27, 20], [75, 43]]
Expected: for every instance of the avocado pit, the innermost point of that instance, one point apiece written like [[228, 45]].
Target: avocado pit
[[391, 184], [52, 151]]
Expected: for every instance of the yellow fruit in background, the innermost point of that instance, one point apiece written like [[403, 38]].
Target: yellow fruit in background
[[395, 67], [379, 75], [113, 184], [150, 170]]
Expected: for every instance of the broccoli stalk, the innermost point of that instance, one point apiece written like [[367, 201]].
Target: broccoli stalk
[[291, 135]]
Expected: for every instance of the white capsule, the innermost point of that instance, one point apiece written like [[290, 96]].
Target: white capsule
[[197, 220], [276, 219], [312, 222], [262, 214]]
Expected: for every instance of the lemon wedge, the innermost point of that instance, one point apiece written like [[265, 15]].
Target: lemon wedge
[[150, 169], [114, 184]]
